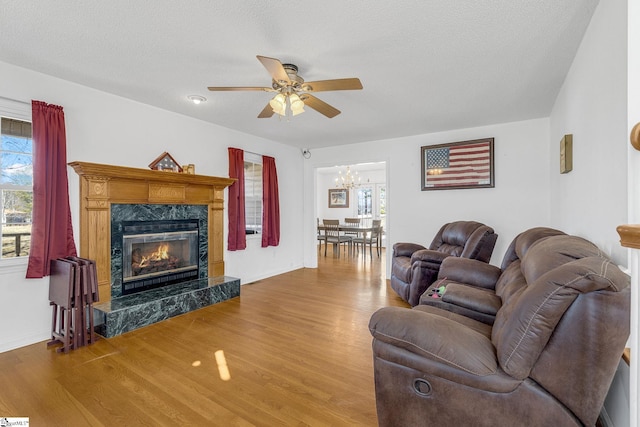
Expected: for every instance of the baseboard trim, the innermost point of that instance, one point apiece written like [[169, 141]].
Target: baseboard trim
[[25, 341]]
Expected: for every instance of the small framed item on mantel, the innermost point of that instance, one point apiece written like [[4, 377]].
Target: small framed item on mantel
[[566, 154], [165, 162]]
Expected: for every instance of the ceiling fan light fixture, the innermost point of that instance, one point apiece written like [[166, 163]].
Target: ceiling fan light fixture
[[279, 104], [297, 106]]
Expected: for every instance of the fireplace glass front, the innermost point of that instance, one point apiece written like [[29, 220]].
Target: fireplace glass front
[[158, 253]]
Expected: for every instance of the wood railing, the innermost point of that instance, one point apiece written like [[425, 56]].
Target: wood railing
[[18, 241], [629, 238]]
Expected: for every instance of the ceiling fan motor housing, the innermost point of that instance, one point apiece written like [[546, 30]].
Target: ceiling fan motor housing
[[296, 81]]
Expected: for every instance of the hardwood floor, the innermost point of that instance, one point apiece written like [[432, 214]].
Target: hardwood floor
[[297, 347]]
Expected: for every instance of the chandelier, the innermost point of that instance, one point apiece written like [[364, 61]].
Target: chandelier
[[348, 180]]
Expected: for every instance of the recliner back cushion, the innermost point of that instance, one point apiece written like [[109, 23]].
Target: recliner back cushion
[[524, 325], [453, 236], [450, 249], [511, 281], [523, 241], [546, 254]]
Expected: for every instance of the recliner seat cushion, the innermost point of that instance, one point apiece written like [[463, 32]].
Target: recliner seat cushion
[[477, 326]]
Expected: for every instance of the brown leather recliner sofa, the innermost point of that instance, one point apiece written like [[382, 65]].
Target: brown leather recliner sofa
[[414, 267], [476, 289], [547, 360]]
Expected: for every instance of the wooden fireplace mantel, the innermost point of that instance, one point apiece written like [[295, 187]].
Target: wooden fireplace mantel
[[101, 185]]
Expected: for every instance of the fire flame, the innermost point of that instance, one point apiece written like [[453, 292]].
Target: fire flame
[[161, 253]]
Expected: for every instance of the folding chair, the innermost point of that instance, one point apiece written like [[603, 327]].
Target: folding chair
[[62, 297]]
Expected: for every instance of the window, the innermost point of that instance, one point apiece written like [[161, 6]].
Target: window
[[253, 193], [372, 202], [16, 186], [364, 203]]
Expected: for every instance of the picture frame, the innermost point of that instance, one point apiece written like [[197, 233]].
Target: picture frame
[[566, 154], [338, 198], [457, 165]]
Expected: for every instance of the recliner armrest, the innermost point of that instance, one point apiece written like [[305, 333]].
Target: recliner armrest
[[406, 249], [469, 271], [473, 298], [428, 255]]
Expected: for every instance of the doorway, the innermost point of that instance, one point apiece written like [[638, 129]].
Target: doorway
[[365, 185]]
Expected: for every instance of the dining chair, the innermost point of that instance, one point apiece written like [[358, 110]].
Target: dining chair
[[332, 235], [352, 221], [377, 234], [320, 235], [374, 234]]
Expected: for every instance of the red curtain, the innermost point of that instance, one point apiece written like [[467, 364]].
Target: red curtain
[[270, 203], [51, 231], [237, 239]]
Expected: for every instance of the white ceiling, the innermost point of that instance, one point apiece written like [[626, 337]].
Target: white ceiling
[[426, 65]]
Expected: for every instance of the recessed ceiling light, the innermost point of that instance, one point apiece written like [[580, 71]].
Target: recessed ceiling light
[[196, 99]]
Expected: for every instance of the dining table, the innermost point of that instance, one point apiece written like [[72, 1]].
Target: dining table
[[353, 228]]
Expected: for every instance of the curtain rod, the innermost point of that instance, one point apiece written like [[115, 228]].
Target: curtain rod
[[15, 100]]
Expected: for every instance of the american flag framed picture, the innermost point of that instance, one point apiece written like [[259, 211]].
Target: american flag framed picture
[[464, 164]]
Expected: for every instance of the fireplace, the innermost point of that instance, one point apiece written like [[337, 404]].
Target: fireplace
[[158, 253], [141, 230], [112, 196]]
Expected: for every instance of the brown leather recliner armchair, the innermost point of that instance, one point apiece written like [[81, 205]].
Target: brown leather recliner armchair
[[414, 267], [548, 359]]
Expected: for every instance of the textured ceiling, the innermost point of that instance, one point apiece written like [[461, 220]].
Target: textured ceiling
[[426, 65]]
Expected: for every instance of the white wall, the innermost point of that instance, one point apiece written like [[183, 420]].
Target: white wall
[[520, 199], [103, 128], [591, 200]]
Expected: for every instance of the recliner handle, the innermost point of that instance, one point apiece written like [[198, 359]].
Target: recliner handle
[[422, 387]]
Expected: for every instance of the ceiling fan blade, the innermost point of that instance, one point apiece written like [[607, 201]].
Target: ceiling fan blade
[[275, 68], [335, 84], [229, 89], [320, 106], [266, 112]]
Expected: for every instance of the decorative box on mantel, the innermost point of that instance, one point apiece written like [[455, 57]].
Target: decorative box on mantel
[[103, 185]]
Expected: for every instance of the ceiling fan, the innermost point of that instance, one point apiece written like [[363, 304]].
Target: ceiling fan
[[293, 91]]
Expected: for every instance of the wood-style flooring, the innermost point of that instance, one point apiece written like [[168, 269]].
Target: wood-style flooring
[[297, 348]]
